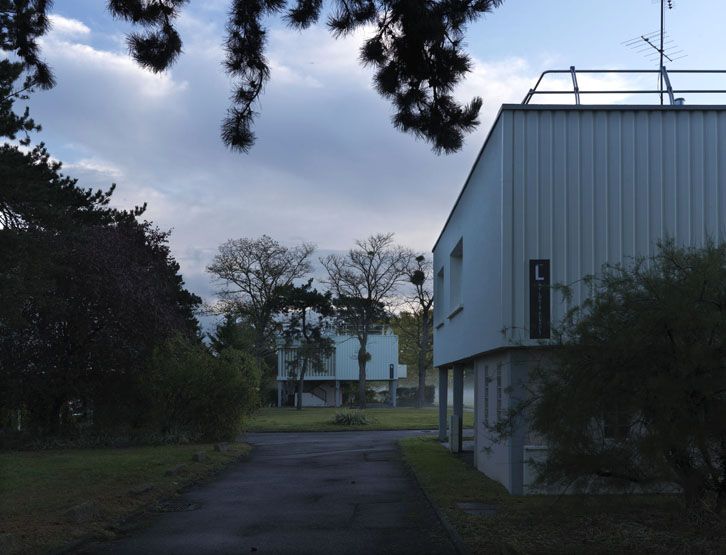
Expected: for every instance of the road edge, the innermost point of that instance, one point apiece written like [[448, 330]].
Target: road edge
[[454, 535]]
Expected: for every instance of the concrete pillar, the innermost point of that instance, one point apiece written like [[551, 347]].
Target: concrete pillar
[[279, 393], [338, 399], [458, 390], [392, 387], [478, 399], [455, 435], [458, 393], [443, 400]]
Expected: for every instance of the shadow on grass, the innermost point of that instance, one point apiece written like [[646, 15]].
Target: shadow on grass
[[552, 524]]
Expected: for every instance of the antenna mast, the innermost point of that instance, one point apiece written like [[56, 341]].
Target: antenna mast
[[655, 51], [661, 50]]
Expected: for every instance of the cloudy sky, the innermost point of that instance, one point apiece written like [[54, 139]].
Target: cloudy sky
[[328, 167]]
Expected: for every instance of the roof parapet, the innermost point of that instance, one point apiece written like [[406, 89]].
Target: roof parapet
[[664, 74]]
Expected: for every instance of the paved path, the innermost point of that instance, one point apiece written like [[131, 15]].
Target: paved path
[[334, 492]]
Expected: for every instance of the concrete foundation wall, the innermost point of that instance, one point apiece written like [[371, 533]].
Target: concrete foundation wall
[[502, 459]]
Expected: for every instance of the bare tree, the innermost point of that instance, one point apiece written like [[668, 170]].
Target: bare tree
[[364, 282], [251, 273], [422, 301]]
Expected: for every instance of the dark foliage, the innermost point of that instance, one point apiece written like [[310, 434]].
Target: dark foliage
[[232, 333], [159, 45], [636, 391], [409, 396], [22, 22], [415, 338], [86, 293], [98, 338], [353, 313], [21, 69], [416, 49], [35, 195], [201, 396]]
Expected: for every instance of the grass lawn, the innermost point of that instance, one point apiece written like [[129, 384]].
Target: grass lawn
[[319, 420], [37, 489], [552, 524]]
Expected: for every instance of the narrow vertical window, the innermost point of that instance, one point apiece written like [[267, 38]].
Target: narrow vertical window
[[486, 395], [499, 392], [439, 301], [456, 267]]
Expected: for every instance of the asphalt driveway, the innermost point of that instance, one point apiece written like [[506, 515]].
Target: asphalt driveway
[[328, 492]]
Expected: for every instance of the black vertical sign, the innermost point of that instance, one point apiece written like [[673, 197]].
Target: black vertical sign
[[539, 299]]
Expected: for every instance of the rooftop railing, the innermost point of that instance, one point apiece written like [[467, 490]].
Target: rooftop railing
[[664, 90], [373, 329]]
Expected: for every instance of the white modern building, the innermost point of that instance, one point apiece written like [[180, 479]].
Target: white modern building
[[323, 387], [555, 192]]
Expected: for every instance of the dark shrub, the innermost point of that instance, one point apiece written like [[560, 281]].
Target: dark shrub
[[201, 395], [406, 396]]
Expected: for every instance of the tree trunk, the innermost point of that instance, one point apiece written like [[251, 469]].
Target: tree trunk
[[259, 346], [53, 419], [422, 352], [300, 385], [362, 360]]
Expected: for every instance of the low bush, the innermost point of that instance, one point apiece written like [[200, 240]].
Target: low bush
[[352, 418], [186, 395], [406, 396]]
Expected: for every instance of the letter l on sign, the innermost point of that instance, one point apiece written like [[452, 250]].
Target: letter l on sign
[[539, 299]]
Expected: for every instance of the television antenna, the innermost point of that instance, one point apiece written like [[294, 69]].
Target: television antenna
[[657, 45]]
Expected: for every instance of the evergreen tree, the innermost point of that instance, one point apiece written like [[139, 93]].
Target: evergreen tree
[[307, 312], [86, 290], [635, 392], [417, 50], [233, 333]]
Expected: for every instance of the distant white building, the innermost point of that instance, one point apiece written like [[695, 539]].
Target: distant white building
[[322, 387], [556, 191]]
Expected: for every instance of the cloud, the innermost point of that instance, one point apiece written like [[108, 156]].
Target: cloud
[[89, 167], [68, 44], [67, 27], [327, 167], [315, 52], [507, 81], [590, 82]]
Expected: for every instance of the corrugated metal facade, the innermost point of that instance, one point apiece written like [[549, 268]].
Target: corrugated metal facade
[[344, 363], [584, 187], [580, 186], [383, 350]]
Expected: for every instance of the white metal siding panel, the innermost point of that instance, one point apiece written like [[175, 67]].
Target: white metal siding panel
[[596, 186], [382, 348], [507, 221], [476, 220], [581, 187], [346, 357]]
